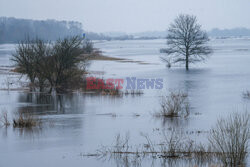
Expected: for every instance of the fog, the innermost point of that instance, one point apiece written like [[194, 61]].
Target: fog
[[131, 15]]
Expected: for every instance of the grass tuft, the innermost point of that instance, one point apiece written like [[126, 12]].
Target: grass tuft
[[174, 105], [25, 120]]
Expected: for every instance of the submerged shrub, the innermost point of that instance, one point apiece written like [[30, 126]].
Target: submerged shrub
[[230, 138], [174, 105]]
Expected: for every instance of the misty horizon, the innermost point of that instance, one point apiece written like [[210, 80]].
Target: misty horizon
[[131, 16], [123, 32]]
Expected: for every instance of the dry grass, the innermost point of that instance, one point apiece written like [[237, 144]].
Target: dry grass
[[174, 105], [102, 88], [111, 92], [172, 147], [25, 120], [99, 57], [133, 92], [102, 57], [228, 146], [21, 120]]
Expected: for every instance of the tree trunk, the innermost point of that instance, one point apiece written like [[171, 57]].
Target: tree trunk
[[187, 68]]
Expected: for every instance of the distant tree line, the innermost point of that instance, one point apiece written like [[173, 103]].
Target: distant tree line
[[13, 30], [235, 32]]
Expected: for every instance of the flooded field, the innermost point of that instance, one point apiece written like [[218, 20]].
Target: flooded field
[[77, 124]]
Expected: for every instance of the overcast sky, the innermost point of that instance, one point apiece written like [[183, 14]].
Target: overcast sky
[[131, 15]]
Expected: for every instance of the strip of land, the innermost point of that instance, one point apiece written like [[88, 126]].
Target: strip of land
[[121, 60]]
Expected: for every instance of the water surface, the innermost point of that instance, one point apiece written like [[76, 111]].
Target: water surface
[[80, 123]]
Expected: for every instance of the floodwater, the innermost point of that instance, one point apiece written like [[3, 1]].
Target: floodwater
[[77, 124]]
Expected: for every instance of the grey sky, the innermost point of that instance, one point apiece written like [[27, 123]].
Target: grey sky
[[131, 15]]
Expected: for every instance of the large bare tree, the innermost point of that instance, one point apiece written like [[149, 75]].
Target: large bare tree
[[186, 42]]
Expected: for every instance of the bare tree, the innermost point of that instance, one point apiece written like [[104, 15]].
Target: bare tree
[[186, 42], [59, 66], [24, 60]]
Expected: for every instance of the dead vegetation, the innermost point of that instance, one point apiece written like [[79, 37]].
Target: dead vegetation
[[246, 94], [25, 120], [227, 146], [174, 105], [106, 58], [230, 137], [116, 92], [172, 147], [111, 92], [21, 120], [99, 57], [4, 118], [99, 86], [133, 92]]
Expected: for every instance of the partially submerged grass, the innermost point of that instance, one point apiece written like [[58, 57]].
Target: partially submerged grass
[[228, 146], [174, 147], [133, 92], [174, 105], [21, 120], [111, 92], [25, 120], [98, 86]]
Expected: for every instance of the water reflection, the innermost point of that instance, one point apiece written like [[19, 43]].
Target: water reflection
[[28, 133], [73, 116], [44, 104], [4, 131], [173, 122], [155, 161]]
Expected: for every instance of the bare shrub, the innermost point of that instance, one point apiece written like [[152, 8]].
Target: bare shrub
[[150, 145], [246, 94], [25, 120], [175, 147], [174, 105], [228, 145], [230, 138], [118, 151], [4, 118], [88, 47], [121, 144], [172, 144]]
